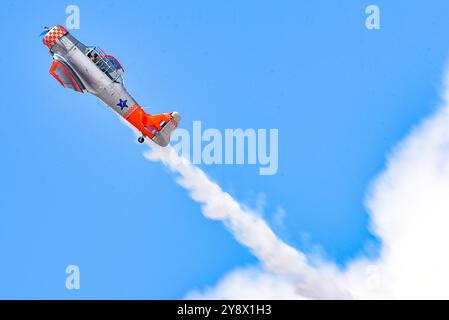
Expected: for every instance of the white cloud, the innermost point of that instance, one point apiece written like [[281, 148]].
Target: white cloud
[[250, 283], [409, 209]]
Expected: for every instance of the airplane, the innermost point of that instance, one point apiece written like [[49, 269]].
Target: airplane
[[89, 69]]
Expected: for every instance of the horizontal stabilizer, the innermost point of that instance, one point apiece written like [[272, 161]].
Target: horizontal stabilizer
[[161, 126]]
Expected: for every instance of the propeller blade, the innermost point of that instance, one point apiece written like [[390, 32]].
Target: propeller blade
[[46, 29]]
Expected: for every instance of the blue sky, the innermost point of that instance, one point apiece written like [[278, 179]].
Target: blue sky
[[75, 188]]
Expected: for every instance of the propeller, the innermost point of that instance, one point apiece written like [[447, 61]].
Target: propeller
[[46, 29]]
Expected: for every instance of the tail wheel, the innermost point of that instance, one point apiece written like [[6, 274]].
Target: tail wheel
[[141, 139]]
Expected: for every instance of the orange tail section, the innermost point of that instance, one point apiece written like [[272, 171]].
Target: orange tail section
[[157, 127]]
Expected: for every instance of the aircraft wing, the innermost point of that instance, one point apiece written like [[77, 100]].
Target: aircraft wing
[[65, 76]]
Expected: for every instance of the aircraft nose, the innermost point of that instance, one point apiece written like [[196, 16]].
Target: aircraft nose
[[53, 35]]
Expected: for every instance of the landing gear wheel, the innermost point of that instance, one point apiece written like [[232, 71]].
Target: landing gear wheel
[[141, 139]]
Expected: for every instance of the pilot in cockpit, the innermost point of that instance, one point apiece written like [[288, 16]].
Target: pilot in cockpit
[[94, 58]]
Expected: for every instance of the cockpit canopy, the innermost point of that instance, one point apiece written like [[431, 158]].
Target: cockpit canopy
[[106, 62]]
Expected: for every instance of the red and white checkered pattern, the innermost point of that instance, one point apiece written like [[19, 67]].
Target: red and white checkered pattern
[[54, 35]]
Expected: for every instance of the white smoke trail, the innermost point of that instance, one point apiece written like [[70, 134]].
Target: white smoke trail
[[248, 228]]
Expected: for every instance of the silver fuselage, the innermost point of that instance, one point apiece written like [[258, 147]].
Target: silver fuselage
[[71, 51]]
